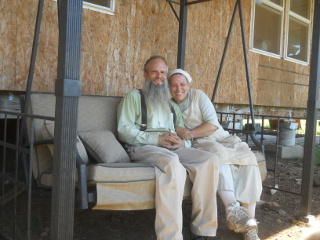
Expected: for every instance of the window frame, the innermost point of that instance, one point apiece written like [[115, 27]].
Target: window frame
[[284, 33], [99, 8]]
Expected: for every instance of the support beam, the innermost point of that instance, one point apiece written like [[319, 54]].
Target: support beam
[[23, 131], [182, 27], [68, 90], [182, 34], [312, 113], [33, 56]]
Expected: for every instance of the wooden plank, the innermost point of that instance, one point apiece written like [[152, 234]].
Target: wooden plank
[[10, 194]]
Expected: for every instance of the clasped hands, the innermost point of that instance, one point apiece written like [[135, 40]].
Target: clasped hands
[[170, 141]]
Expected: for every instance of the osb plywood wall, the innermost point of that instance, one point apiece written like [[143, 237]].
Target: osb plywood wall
[[114, 49], [282, 82], [274, 82], [208, 28]]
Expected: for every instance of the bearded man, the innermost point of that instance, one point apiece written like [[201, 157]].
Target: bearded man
[[172, 158]]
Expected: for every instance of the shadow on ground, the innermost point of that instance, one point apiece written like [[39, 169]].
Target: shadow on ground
[[276, 213]]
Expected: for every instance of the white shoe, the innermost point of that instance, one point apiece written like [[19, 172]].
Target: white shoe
[[251, 235], [238, 220]]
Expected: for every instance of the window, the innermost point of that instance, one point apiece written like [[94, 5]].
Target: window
[[282, 28], [105, 6]]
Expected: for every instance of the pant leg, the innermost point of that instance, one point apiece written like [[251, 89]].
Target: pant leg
[[170, 182], [247, 183], [243, 180], [225, 178], [203, 169]]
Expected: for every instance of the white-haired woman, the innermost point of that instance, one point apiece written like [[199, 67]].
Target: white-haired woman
[[240, 183]]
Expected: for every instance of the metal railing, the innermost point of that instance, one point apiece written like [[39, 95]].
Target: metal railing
[[16, 174], [241, 124]]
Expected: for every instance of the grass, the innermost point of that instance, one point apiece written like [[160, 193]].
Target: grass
[[303, 125], [317, 155]]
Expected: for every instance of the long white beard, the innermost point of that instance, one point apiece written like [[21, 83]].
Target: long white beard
[[158, 96]]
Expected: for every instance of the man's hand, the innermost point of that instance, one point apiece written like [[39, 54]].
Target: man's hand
[[170, 141]]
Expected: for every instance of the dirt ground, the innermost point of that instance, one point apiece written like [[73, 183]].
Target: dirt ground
[[277, 213]]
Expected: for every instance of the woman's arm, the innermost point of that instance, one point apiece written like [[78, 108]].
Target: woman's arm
[[204, 130], [209, 117]]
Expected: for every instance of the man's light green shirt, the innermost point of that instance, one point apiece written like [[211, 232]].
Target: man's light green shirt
[[159, 121]]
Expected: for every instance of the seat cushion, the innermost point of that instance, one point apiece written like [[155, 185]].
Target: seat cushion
[[119, 172], [126, 186]]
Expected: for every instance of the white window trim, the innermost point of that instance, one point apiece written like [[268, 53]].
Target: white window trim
[[284, 27], [304, 20], [256, 50], [94, 7]]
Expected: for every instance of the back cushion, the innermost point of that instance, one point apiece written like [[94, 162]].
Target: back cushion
[[98, 113], [94, 112]]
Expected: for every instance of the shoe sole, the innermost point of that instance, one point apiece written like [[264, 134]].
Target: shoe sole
[[239, 230]]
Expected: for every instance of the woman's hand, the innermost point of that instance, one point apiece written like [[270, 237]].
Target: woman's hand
[[204, 130], [184, 133]]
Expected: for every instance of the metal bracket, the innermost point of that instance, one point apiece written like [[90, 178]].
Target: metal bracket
[[68, 87]]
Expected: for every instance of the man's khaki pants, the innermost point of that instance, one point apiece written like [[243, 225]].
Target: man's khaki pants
[[170, 169]]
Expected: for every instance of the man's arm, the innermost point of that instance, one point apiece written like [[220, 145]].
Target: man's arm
[[129, 120]]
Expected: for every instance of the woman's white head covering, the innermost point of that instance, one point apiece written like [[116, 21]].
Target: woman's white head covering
[[189, 79]]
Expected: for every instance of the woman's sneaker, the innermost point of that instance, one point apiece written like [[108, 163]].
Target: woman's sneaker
[[251, 235], [238, 220]]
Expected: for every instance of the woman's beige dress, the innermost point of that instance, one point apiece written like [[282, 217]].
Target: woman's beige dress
[[239, 171]]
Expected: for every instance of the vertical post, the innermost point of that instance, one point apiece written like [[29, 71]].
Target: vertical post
[[245, 56], [33, 56], [182, 34], [312, 113], [68, 90], [26, 100]]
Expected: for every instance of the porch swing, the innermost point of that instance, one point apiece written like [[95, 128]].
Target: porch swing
[[87, 196]]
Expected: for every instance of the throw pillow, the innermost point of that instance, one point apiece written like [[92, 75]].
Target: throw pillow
[[103, 146]]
